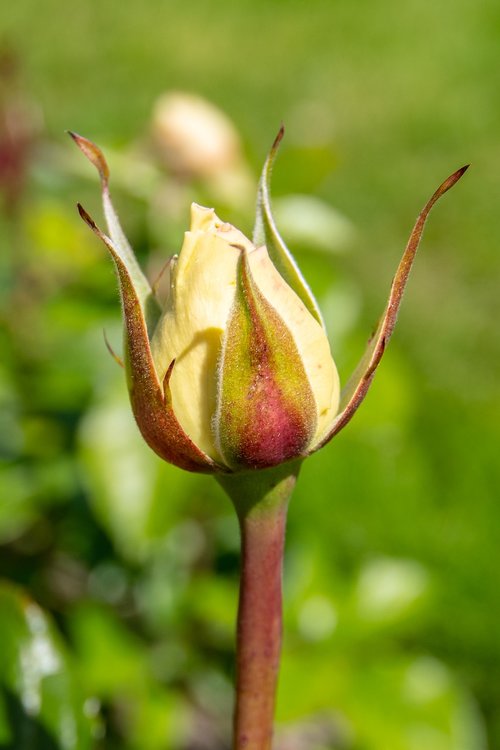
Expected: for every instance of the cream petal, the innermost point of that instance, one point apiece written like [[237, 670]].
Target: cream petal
[[192, 326]]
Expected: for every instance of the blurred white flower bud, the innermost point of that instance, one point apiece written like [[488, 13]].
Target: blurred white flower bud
[[193, 137]]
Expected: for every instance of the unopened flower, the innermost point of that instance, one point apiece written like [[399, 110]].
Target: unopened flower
[[193, 137], [254, 383], [195, 140], [235, 372]]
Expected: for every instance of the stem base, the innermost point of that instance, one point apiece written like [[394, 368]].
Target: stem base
[[261, 502]]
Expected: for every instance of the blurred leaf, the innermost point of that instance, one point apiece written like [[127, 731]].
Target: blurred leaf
[[388, 590], [311, 223], [42, 705], [397, 702], [112, 660], [124, 473], [115, 666], [121, 470], [137, 497]]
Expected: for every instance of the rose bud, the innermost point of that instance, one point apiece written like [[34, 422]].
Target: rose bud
[[234, 372]]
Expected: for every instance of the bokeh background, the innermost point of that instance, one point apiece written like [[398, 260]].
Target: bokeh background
[[119, 590]]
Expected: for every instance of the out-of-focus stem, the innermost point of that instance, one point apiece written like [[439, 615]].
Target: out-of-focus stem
[[261, 501]]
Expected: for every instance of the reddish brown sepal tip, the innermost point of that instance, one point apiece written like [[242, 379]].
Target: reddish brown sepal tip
[[278, 139], [93, 154], [453, 178], [166, 381], [85, 216]]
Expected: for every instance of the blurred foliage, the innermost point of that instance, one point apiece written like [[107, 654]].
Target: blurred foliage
[[120, 574]]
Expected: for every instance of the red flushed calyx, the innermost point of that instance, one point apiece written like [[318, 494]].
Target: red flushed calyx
[[266, 412]]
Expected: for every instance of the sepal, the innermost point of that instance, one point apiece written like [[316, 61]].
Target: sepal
[[145, 295], [266, 412], [151, 400], [266, 233], [358, 384]]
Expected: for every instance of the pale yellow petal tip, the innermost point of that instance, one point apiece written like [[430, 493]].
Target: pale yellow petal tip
[[206, 220], [203, 219]]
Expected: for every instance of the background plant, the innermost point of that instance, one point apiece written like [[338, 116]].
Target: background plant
[[391, 584]]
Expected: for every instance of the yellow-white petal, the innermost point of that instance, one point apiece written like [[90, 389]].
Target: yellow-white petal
[[192, 325]]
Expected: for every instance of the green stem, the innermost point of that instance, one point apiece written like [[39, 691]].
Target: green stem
[[261, 502]]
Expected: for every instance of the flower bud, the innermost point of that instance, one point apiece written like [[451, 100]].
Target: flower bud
[[254, 382], [193, 137], [235, 372]]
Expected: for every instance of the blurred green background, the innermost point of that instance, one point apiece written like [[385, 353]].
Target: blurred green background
[[119, 590]]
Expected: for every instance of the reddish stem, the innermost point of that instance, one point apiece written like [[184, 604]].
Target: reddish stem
[[259, 627], [261, 501]]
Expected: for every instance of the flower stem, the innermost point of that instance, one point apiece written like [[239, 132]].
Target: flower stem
[[261, 502]]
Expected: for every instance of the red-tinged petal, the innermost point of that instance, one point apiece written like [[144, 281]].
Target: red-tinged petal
[[357, 387], [151, 403], [266, 412]]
